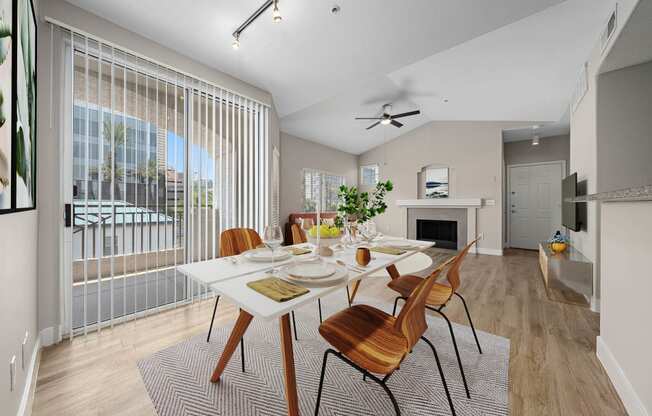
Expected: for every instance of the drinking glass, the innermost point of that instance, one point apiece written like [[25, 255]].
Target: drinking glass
[[273, 238]]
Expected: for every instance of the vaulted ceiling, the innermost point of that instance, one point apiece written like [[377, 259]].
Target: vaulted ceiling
[[453, 59]]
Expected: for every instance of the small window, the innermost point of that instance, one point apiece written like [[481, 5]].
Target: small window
[[369, 175], [316, 183]]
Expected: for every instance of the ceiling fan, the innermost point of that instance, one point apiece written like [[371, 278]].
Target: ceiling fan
[[388, 118]]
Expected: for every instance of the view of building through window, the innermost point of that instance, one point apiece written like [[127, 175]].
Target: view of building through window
[[316, 183]]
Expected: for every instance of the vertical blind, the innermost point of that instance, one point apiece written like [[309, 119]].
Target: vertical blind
[[162, 162]]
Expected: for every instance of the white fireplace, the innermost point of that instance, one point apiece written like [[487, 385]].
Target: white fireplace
[[414, 209]]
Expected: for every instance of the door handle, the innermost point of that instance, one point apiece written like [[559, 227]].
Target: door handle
[[67, 215]]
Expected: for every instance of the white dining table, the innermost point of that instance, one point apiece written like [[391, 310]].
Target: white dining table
[[229, 278]]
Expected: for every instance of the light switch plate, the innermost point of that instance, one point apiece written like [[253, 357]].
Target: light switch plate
[[12, 373], [22, 350]]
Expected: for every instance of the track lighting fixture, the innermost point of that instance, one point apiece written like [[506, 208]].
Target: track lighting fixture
[[276, 15]]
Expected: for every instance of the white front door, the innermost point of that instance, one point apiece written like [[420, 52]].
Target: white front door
[[534, 203]]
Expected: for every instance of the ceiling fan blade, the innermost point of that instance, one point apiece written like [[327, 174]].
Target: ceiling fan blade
[[373, 125], [409, 113], [368, 118], [396, 123]]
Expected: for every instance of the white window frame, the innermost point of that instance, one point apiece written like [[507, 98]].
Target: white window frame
[[375, 166], [320, 173]]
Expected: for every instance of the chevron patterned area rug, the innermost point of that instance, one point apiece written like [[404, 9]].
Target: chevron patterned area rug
[[177, 378]]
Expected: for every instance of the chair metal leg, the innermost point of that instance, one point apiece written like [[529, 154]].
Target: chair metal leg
[[319, 305], [396, 304], [468, 315], [321, 380], [457, 352], [365, 374], [348, 295], [294, 325], [210, 329], [242, 354], [441, 374]]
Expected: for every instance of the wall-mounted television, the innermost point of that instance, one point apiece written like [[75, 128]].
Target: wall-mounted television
[[569, 210]]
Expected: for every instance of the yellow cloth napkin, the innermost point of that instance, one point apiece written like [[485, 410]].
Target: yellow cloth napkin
[[277, 289], [297, 251], [388, 250]]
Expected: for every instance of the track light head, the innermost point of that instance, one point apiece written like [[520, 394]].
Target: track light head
[[276, 15]]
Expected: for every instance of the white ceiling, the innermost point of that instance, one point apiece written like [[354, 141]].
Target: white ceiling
[[492, 59]]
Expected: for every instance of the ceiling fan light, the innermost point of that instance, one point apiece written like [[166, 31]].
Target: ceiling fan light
[[236, 43], [385, 121]]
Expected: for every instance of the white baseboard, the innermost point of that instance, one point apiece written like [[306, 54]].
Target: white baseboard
[[25, 407], [490, 251], [50, 336], [623, 387]]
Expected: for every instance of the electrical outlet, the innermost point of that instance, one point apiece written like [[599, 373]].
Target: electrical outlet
[[12, 373], [22, 350]]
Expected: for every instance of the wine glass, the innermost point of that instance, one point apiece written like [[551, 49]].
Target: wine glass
[[368, 231], [273, 238]]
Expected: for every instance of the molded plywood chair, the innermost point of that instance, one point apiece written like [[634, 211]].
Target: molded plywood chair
[[438, 298], [233, 242], [373, 341], [299, 237]]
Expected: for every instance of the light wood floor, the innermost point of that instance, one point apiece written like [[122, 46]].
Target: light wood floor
[[553, 367]]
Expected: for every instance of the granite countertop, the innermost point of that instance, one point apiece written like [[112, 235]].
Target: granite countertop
[[639, 193]]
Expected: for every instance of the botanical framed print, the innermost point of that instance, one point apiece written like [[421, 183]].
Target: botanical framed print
[[6, 100], [24, 153]]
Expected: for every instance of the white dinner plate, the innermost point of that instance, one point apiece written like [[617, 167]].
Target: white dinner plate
[[340, 274], [311, 270], [264, 255]]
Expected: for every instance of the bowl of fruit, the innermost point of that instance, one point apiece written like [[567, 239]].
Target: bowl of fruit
[[328, 235]]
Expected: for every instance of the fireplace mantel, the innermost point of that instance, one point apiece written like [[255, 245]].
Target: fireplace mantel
[[440, 203], [471, 206]]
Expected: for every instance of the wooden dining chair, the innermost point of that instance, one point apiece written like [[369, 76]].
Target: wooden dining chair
[[235, 241], [299, 237], [438, 297], [375, 342]]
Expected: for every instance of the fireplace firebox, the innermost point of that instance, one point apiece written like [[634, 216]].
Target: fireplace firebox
[[442, 233]]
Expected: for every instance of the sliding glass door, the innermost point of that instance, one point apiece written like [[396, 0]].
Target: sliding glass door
[[161, 163]]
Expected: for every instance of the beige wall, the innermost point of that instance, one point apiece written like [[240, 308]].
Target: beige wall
[[18, 300], [625, 336], [624, 129], [297, 154], [48, 179], [584, 153], [473, 151], [549, 149]]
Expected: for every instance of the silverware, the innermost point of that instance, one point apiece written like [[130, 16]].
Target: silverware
[[348, 266]]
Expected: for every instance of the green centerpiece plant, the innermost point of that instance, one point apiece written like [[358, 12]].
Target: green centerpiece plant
[[357, 207]]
